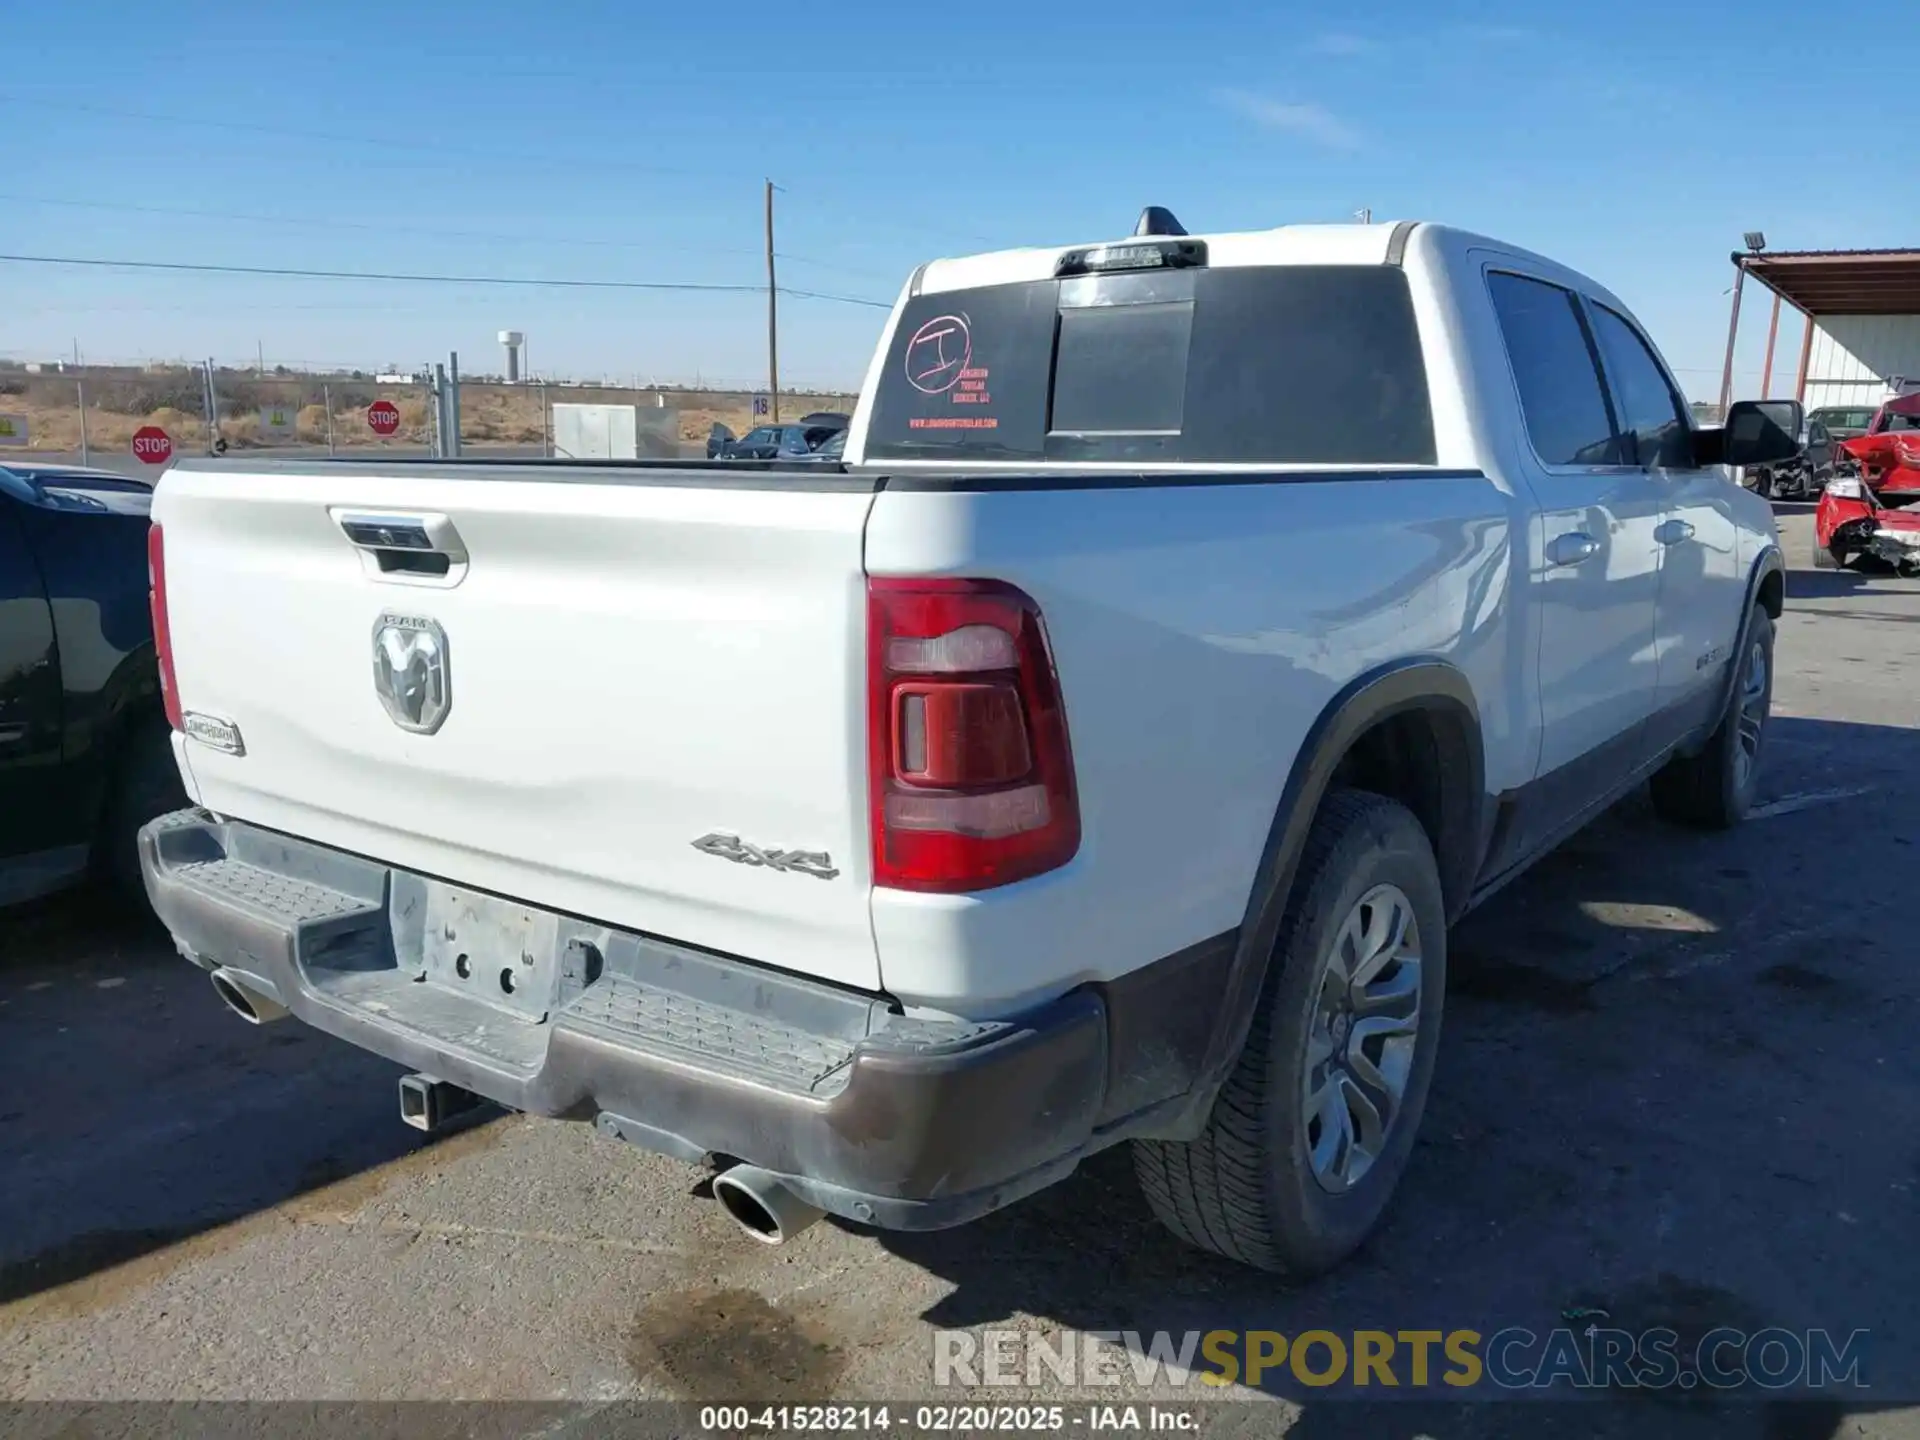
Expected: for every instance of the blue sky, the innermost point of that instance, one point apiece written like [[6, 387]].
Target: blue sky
[[1634, 140]]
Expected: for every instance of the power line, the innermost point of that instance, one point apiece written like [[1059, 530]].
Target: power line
[[472, 152], [891, 221], [328, 222], [793, 294], [899, 225], [307, 222], [290, 272]]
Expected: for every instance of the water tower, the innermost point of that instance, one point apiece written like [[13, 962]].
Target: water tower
[[516, 342]]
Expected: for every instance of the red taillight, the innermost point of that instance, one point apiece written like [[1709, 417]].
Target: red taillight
[[969, 767], [162, 633]]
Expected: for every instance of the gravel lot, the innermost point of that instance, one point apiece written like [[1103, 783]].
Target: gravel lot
[[1678, 1083]]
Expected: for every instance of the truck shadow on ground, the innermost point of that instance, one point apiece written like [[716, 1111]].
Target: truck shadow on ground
[[1660, 1094], [1863, 576], [137, 1112], [1664, 1090]]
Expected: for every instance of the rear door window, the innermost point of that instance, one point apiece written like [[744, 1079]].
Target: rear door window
[[1557, 371], [1242, 365]]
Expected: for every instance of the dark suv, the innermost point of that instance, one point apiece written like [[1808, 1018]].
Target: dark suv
[[85, 751]]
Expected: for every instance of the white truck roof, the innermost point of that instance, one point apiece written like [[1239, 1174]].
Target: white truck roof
[[1304, 244], [1283, 245]]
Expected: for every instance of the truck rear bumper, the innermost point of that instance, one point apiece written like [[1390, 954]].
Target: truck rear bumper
[[886, 1120]]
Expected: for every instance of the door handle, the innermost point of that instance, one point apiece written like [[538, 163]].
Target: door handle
[[425, 549], [1571, 548], [419, 534], [1672, 532]]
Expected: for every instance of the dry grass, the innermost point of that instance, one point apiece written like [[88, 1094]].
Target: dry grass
[[489, 414]]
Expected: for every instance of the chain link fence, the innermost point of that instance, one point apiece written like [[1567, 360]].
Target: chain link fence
[[93, 414], [615, 422]]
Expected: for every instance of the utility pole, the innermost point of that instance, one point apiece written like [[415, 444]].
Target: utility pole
[[260, 357], [452, 446], [1773, 332], [773, 318], [1733, 333], [213, 409]]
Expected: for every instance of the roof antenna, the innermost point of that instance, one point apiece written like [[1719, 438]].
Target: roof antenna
[[1158, 220]]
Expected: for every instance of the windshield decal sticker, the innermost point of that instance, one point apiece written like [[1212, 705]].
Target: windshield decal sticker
[[938, 362], [938, 353]]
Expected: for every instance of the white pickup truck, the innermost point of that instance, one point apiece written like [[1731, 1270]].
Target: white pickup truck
[[1198, 626]]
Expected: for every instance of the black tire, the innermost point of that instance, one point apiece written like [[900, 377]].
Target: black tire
[[146, 783], [1246, 1188], [1713, 790]]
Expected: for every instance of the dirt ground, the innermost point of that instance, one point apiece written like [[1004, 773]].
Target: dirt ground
[[490, 414], [1678, 1085]]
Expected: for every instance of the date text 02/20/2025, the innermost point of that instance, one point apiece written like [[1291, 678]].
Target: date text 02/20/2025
[[946, 1419]]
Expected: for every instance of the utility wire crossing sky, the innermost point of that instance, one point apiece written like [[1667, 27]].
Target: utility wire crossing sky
[[399, 183]]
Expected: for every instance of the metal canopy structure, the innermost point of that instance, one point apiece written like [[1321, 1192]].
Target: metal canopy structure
[[1840, 282], [1820, 283]]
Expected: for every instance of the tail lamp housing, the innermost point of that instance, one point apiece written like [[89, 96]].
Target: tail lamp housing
[[970, 767], [162, 631]]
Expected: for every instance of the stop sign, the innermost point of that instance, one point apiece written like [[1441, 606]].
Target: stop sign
[[383, 417], [151, 444]]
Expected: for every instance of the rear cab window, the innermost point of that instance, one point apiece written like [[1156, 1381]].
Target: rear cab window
[[1276, 365]]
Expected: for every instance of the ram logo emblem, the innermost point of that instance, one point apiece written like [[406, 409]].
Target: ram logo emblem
[[410, 671]]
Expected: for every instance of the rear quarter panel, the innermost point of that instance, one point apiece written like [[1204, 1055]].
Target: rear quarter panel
[[1199, 629]]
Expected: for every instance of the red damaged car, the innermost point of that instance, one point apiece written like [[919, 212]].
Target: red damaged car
[[1851, 522], [1888, 455]]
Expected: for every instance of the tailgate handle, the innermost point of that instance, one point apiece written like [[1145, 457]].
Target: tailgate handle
[[420, 548]]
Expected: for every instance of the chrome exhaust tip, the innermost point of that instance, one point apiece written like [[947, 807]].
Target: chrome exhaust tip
[[764, 1208], [243, 1000]]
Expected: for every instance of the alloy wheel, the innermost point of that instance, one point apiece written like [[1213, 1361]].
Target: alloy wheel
[[1361, 1038]]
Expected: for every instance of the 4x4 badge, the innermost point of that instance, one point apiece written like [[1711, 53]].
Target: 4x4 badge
[[816, 863]]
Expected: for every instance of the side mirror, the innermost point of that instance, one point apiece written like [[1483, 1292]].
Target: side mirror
[[1761, 432]]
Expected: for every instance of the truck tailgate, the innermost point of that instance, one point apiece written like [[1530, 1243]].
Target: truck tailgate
[[634, 660]]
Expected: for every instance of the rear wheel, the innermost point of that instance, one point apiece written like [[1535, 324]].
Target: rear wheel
[[1715, 788], [1311, 1131], [146, 784]]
